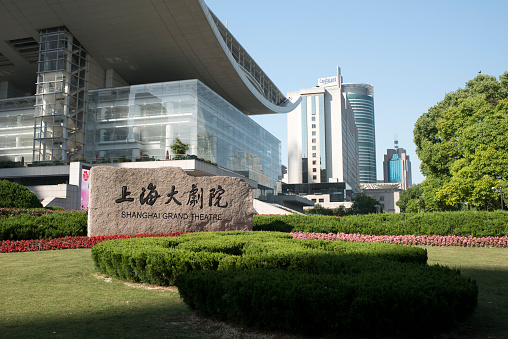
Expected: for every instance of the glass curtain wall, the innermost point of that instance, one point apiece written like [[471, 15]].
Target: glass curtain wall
[[361, 98], [395, 168], [141, 122], [16, 129]]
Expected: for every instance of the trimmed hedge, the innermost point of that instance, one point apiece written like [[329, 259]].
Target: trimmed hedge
[[270, 280], [377, 298], [161, 260], [476, 224], [10, 212], [468, 223], [45, 226]]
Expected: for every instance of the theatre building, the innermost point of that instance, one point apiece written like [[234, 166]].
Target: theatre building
[[85, 83]]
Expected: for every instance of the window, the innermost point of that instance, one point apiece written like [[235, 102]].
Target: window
[[314, 170], [313, 148], [313, 155], [313, 118], [313, 132], [313, 139], [314, 177], [314, 162], [321, 200], [313, 200], [313, 125]]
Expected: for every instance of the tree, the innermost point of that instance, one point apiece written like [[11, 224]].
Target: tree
[[363, 204], [463, 146], [436, 153], [411, 200], [13, 195], [179, 147]]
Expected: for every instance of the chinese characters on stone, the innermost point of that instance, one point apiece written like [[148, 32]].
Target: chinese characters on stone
[[196, 196]]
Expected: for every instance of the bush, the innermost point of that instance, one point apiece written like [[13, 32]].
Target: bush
[[160, 261], [9, 212], [13, 195], [10, 164], [45, 226], [467, 223], [269, 280], [376, 298]]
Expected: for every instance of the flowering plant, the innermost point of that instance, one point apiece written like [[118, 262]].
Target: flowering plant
[[8, 246], [426, 240]]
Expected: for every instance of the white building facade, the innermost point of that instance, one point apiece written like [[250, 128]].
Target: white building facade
[[322, 136]]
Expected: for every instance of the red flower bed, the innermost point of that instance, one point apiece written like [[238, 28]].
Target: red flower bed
[[426, 240], [8, 246]]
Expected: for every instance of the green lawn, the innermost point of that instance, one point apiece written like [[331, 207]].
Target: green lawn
[[489, 267], [58, 294]]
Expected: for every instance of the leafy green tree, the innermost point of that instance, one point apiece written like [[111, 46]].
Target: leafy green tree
[[13, 195], [319, 209], [411, 200], [363, 204], [463, 146], [178, 147]]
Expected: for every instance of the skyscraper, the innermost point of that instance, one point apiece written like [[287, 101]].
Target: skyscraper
[[361, 98], [322, 137], [397, 166]]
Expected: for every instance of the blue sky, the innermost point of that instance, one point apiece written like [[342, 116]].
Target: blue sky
[[412, 52]]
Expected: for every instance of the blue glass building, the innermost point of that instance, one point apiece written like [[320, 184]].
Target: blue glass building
[[397, 167]]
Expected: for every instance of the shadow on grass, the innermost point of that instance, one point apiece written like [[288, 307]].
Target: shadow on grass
[[491, 315], [174, 321]]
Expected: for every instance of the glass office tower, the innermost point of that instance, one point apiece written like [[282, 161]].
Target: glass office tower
[[397, 167], [361, 98]]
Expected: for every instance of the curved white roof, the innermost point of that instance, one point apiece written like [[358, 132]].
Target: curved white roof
[[144, 41]]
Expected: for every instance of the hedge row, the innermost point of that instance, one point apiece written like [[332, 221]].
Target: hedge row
[[269, 280], [45, 226], [468, 223], [10, 212], [475, 224], [160, 260]]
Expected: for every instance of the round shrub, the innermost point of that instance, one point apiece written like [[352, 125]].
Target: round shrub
[[13, 195], [269, 280]]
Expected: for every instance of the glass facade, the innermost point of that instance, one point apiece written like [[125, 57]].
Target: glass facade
[[143, 121], [335, 190], [16, 129], [395, 168], [362, 102]]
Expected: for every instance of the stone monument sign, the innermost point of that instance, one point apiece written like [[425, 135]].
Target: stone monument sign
[[165, 199]]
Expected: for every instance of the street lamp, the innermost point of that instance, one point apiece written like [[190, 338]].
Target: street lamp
[[500, 190]]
